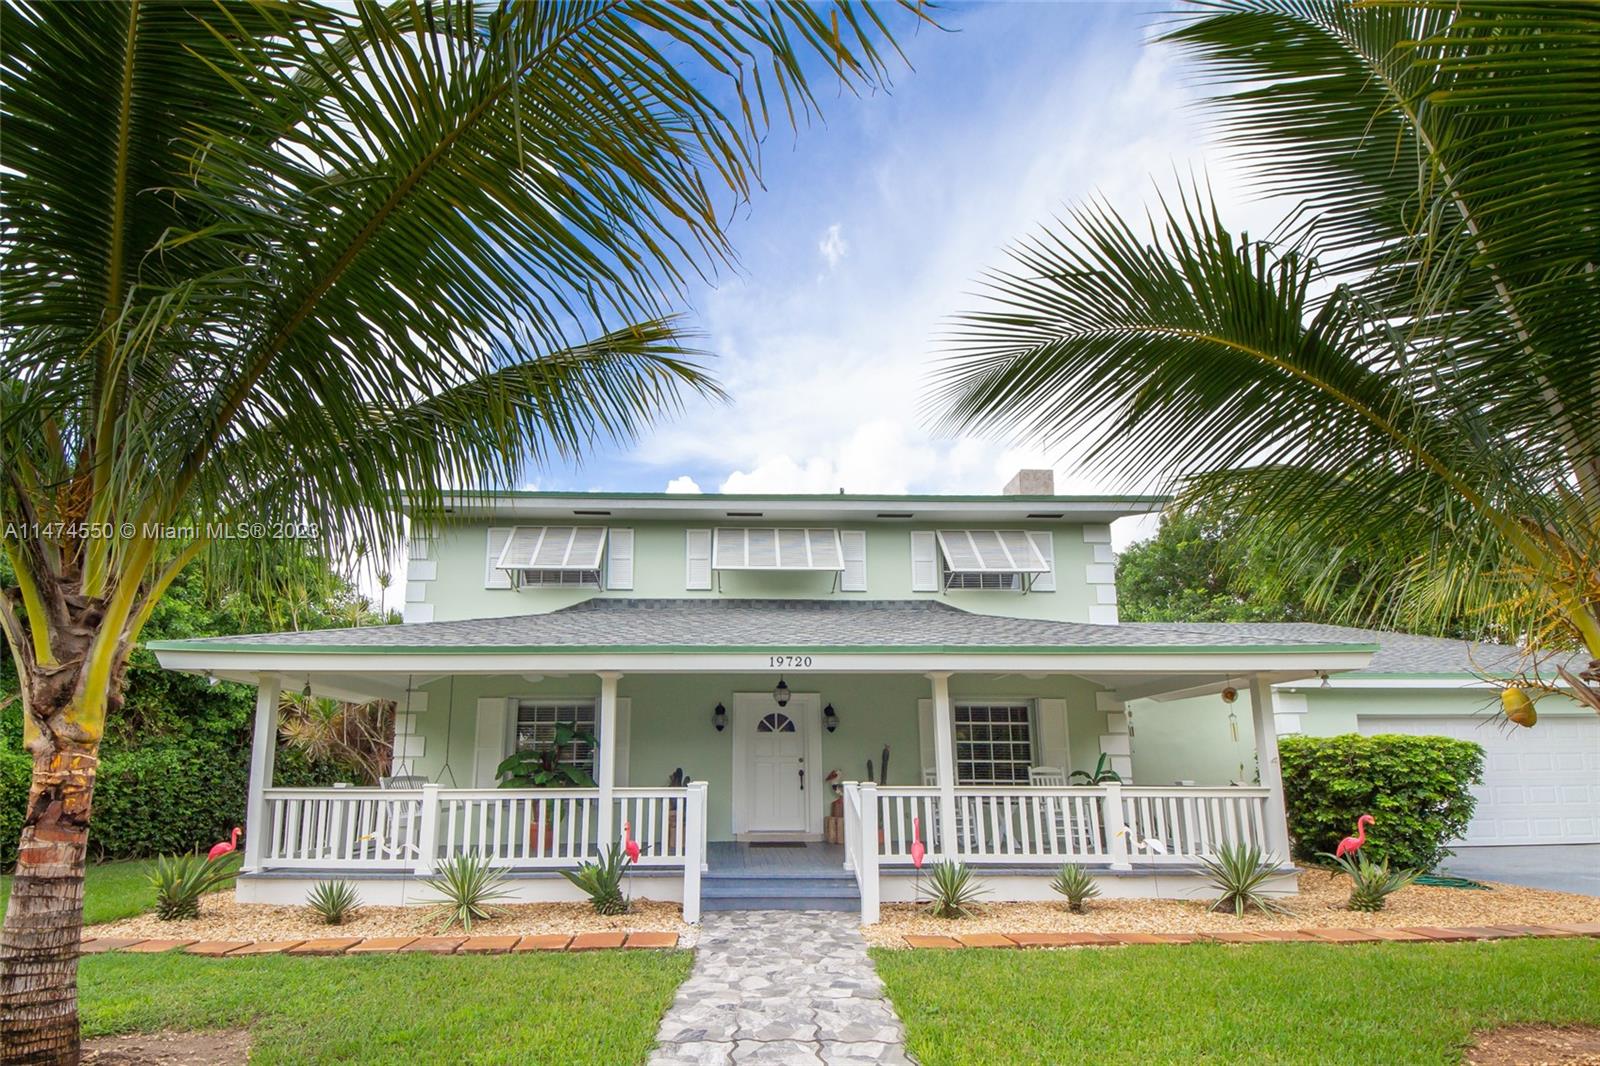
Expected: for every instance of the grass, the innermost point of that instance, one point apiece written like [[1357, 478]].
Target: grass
[[1270, 1003], [596, 1007], [111, 890]]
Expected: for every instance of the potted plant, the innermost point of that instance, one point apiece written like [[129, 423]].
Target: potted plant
[[541, 767]]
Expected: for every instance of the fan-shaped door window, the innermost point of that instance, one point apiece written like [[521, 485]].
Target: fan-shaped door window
[[775, 723]]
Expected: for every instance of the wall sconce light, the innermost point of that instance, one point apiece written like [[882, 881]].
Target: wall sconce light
[[306, 692], [1323, 674], [719, 717], [781, 694], [830, 718]]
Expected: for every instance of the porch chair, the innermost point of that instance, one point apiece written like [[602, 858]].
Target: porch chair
[[930, 778], [394, 843], [1054, 777]]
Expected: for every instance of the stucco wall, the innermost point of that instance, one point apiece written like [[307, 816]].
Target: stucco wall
[[670, 724], [459, 550]]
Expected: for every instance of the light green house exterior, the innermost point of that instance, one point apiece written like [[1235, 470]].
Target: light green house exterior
[[768, 649]]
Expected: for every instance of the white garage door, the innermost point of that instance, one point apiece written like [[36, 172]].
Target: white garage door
[[1540, 785]]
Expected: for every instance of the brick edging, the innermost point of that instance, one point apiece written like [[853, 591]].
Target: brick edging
[[1413, 934], [351, 945]]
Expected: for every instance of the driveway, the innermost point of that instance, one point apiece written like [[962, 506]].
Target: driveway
[[1565, 868]]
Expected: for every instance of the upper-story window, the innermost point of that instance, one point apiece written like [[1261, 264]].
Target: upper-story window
[[1003, 559], [592, 557], [777, 549]]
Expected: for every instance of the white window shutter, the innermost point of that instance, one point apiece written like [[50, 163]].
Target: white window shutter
[[1045, 542], [489, 740], [494, 578], [854, 577], [1051, 740], [925, 734], [924, 562], [619, 560], [697, 559]]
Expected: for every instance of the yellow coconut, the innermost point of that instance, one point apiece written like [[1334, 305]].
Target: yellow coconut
[[1518, 707]]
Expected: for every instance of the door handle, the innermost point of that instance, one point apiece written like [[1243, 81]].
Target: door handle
[[802, 780]]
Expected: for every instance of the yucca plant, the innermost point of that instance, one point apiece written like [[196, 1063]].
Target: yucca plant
[[334, 902], [1371, 882], [466, 885], [602, 881], [952, 891], [180, 881], [1074, 882], [1240, 870]]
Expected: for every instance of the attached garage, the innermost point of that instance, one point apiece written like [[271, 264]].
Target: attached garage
[[1540, 785]]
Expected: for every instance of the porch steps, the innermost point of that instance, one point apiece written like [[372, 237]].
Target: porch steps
[[745, 890]]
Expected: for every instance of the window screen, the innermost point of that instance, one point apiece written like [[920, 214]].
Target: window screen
[[536, 727], [994, 743]]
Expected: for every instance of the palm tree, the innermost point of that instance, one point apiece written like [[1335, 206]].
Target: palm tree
[[286, 264], [1407, 374]]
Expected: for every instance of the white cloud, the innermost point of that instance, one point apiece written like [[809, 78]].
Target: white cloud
[[683, 483], [833, 246]]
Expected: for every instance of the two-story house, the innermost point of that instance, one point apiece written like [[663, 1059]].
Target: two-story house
[[940, 666]]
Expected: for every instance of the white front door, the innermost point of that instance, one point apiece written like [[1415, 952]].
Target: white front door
[[770, 753]]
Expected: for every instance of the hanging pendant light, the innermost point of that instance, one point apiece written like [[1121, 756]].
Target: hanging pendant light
[[780, 695]]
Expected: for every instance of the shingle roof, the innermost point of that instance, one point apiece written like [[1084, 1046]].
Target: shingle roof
[[1398, 653], [713, 623]]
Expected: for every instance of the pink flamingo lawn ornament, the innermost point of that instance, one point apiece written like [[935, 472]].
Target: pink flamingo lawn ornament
[[223, 847], [1351, 845], [630, 848], [918, 852]]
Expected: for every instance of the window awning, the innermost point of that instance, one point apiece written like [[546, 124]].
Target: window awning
[[777, 549], [991, 551], [553, 548]]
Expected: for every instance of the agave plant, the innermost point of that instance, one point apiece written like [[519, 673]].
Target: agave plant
[[952, 890], [1240, 870], [466, 885], [1074, 882], [602, 881], [334, 902], [180, 881], [1371, 882]]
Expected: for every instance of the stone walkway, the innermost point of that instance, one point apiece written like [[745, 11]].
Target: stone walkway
[[780, 987]]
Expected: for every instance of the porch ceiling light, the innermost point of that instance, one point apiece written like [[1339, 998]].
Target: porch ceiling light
[[719, 717], [780, 695], [830, 718]]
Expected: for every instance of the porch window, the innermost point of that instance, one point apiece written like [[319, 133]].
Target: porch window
[[536, 727], [994, 743]]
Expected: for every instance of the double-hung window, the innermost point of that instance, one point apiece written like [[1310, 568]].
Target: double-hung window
[[994, 743], [536, 728]]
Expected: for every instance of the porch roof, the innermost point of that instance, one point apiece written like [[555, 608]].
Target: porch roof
[[758, 636]]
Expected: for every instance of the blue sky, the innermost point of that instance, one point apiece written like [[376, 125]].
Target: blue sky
[[874, 226]]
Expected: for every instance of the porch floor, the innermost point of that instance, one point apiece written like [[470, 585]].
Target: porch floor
[[809, 859]]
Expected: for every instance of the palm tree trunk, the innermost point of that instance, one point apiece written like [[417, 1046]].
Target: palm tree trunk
[[39, 942]]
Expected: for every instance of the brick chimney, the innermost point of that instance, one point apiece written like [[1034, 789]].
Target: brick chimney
[[1032, 483]]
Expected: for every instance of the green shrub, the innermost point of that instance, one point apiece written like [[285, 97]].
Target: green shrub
[[466, 885], [952, 890], [1240, 870], [333, 902], [180, 881], [1418, 790], [602, 881], [1077, 884]]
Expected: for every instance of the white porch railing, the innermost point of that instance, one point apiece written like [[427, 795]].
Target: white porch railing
[[1108, 824], [531, 829]]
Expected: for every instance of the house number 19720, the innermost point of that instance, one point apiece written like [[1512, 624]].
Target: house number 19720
[[789, 662]]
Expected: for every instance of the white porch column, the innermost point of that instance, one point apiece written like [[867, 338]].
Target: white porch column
[[606, 764], [1266, 728], [694, 851], [944, 764], [263, 753]]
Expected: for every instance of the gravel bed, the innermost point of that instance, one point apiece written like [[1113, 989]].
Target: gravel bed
[[1320, 904], [224, 918]]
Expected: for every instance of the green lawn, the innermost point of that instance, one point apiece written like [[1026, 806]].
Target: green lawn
[[1283, 1003], [560, 1009], [111, 890]]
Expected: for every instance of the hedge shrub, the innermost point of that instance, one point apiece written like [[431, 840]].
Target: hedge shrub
[[1416, 788], [158, 798]]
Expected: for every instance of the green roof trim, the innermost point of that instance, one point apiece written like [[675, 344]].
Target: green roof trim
[[212, 644]]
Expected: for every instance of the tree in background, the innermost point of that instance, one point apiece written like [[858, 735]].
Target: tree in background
[[1405, 374], [283, 264]]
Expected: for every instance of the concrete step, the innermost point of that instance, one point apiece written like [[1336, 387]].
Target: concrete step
[[780, 903], [789, 886]]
